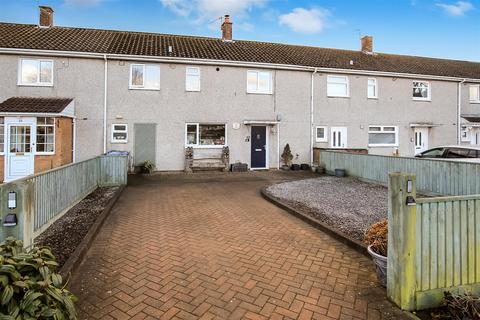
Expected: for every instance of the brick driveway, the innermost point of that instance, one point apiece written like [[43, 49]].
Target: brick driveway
[[209, 247]]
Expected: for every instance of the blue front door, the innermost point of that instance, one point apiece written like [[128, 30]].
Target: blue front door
[[259, 147]]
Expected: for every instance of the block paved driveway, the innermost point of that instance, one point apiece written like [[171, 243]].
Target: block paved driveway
[[210, 247]]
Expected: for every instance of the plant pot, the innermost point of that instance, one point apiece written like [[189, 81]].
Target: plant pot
[[380, 266], [295, 167], [340, 173], [305, 166], [285, 167]]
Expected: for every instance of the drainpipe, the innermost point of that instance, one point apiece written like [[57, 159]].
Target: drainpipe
[[459, 110], [105, 104], [311, 117]]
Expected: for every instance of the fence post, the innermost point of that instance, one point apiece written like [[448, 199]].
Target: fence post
[[401, 276], [27, 190]]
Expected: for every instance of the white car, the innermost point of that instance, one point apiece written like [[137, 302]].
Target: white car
[[456, 153]]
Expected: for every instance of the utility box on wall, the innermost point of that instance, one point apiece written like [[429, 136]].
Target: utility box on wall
[[10, 204]]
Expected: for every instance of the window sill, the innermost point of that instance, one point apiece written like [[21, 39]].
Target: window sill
[[44, 154], [119, 142], [321, 141], [144, 89], [338, 96], [264, 93], [475, 102], [422, 100], [383, 145], [372, 98], [192, 90], [34, 85], [206, 147]]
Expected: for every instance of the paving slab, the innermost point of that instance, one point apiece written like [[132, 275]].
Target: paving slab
[[208, 246]]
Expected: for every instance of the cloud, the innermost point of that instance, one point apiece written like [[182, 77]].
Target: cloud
[[306, 21], [204, 10], [458, 9]]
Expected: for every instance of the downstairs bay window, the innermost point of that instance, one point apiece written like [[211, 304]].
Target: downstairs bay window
[[382, 136], [205, 135]]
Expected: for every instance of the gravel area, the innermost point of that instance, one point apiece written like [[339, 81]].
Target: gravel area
[[65, 234], [347, 204]]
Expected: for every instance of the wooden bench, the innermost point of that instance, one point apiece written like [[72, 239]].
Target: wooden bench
[[206, 159]]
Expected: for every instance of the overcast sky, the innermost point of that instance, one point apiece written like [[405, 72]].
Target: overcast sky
[[436, 28]]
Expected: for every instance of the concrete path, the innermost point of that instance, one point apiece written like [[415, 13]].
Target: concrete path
[[210, 247]]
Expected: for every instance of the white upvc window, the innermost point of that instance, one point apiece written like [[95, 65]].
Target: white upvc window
[[338, 86], [321, 134], [382, 136], [205, 135], [145, 76], [259, 82], [35, 72], [192, 79], [421, 90], [372, 91], [119, 133], [475, 93], [45, 135]]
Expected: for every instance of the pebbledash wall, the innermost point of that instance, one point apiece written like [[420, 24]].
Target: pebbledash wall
[[224, 99]]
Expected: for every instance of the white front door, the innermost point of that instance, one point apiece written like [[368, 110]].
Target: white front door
[[19, 152], [338, 137], [475, 136], [420, 139]]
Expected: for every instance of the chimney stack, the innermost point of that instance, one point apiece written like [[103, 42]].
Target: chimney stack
[[46, 17], [367, 44], [227, 29]]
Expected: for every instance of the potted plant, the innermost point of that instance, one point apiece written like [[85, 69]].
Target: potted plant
[[287, 157], [376, 238], [148, 167]]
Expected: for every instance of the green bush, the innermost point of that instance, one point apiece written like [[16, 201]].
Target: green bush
[[29, 286]]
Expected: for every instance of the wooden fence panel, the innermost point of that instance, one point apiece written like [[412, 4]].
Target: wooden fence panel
[[433, 176]]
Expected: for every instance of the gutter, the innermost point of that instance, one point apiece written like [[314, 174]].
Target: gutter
[[105, 104], [91, 55], [311, 117], [459, 111]]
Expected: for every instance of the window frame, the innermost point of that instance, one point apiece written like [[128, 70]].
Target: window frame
[[375, 96], [347, 83], [37, 83], [270, 89], [325, 134], [477, 86], [198, 145], [142, 87], [112, 140], [382, 131], [429, 92], [199, 75], [54, 125]]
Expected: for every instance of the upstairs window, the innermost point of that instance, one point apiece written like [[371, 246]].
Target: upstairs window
[[475, 93], [192, 79], [145, 76], [259, 82], [45, 135], [205, 135], [421, 90], [382, 136], [321, 134], [36, 72], [372, 88], [119, 133], [337, 86]]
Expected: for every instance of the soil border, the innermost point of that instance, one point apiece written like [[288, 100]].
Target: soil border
[[77, 256], [332, 231]]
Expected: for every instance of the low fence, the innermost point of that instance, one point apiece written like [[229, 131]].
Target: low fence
[[41, 199], [441, 177], [433, 245]]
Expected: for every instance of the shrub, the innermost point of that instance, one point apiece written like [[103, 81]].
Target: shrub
[[465, 306], [148, 166], [377, 237], [287, 155], [29, 286]]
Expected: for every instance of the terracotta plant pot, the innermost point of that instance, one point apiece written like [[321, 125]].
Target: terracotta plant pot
[[380, 266]]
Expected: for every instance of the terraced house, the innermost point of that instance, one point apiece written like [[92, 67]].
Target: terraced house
[[68, 94]]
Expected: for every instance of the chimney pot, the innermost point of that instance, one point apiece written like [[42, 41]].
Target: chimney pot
[[46, 17], [227, 30], [367, 44]]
